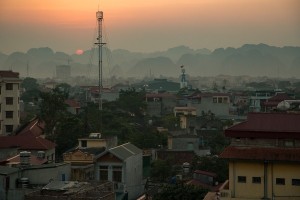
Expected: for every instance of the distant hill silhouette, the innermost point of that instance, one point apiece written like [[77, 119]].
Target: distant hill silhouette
[[250, 59]]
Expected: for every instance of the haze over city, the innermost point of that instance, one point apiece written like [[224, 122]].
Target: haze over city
[[147, 26]]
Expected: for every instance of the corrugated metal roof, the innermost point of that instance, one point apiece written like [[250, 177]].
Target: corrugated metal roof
[[269, 122], [125, 150]]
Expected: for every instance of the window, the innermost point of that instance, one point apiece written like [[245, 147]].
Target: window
[[280, 181], [9, 114], [238, 139], [9, 128], [203, 128], [0, 89], [83, 143], [225, 100], [9, 100], [220, 100], [256, 179], [215, 100], [242, 179], [117, 174], [0, 107], [103, 173], [296, 182], [9, 86], [289, 143]]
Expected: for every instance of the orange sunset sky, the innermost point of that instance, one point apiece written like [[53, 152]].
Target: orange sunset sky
[[147, 26]]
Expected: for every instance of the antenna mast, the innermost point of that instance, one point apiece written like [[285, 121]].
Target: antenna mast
[[99, 16], [27, 67]]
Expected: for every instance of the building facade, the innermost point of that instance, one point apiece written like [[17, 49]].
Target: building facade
[[264, 157], [9, 102]]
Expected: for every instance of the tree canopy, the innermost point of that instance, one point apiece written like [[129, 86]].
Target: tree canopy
[[29, 84]]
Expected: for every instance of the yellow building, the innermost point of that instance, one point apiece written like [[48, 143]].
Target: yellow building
[[182, 112], [264, 158], [82, 157]]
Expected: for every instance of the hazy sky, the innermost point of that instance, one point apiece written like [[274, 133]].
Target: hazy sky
[[147, 26]]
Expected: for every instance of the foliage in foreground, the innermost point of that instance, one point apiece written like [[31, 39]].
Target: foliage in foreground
[[181, 191]]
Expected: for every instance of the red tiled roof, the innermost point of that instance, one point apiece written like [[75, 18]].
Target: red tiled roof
[[26, 143], [256, 123], [72, 103], [34, 128], [184, 108], [280, 97], [34, 160], [206, 173], [262, 154], [9, 74], [163, 95]]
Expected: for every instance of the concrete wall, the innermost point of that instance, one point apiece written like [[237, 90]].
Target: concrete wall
[[134, 176], [9, 152], [18, 193], [112, 142], [45, 173], [162, 107], [207, 104], [110, 96], [181, 143], [12, 184], [249, 190]]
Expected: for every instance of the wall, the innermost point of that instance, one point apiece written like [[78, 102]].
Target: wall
[[261, 142], [181, 143], [18, 194], [288, 171], [12, 184], [110, 96], [134, 176], [162, 107], [207, 104], [44, 173], [9, 152]]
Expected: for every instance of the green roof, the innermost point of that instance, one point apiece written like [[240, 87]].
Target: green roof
[[7, 170], [125, 150]]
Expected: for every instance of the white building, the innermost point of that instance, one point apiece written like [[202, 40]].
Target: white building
[[9, 102]]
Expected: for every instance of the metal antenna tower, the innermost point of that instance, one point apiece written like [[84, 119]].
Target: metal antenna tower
[[99, 16], [27, 67]]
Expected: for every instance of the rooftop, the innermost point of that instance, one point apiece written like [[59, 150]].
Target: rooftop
[[261, 154], [26, 142], [8, 74]]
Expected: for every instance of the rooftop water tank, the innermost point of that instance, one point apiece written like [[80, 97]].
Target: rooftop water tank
[[25, 158]]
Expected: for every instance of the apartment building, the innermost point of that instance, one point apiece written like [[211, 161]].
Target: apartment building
[[9, 102], [264, 158]]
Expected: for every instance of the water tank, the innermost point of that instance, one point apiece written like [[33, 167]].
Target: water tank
[[25, 157], [95, 135], [186, 167], [41, 154], [24, 182], [283, 105]]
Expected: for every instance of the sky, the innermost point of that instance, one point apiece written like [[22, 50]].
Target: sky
[[147, 26]]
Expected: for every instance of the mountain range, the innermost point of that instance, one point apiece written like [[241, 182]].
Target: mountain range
[[250, 59]]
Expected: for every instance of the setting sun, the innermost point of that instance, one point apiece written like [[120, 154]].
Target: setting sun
[[79, 52]]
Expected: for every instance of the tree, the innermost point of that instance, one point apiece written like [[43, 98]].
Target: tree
[[170, 121], [67, 132], [132, 102], [218, 143], [30, 95], [181, 191], [66, 87], [161, 169], [52, 110], [211, 164], [29, 84]]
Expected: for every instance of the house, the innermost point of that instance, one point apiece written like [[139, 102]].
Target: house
[[256, 98], [107, 94], [121, 86], [9, 102], [82, 157], [18, 182], [264, 157], [32, 144], [73, 106], [31, 128], [205, 179], [217, 103], [74, 190], [122, 164], [50, 85], [157, 84], [184, 111], [15, 161], [160, 104], [272, 102]]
